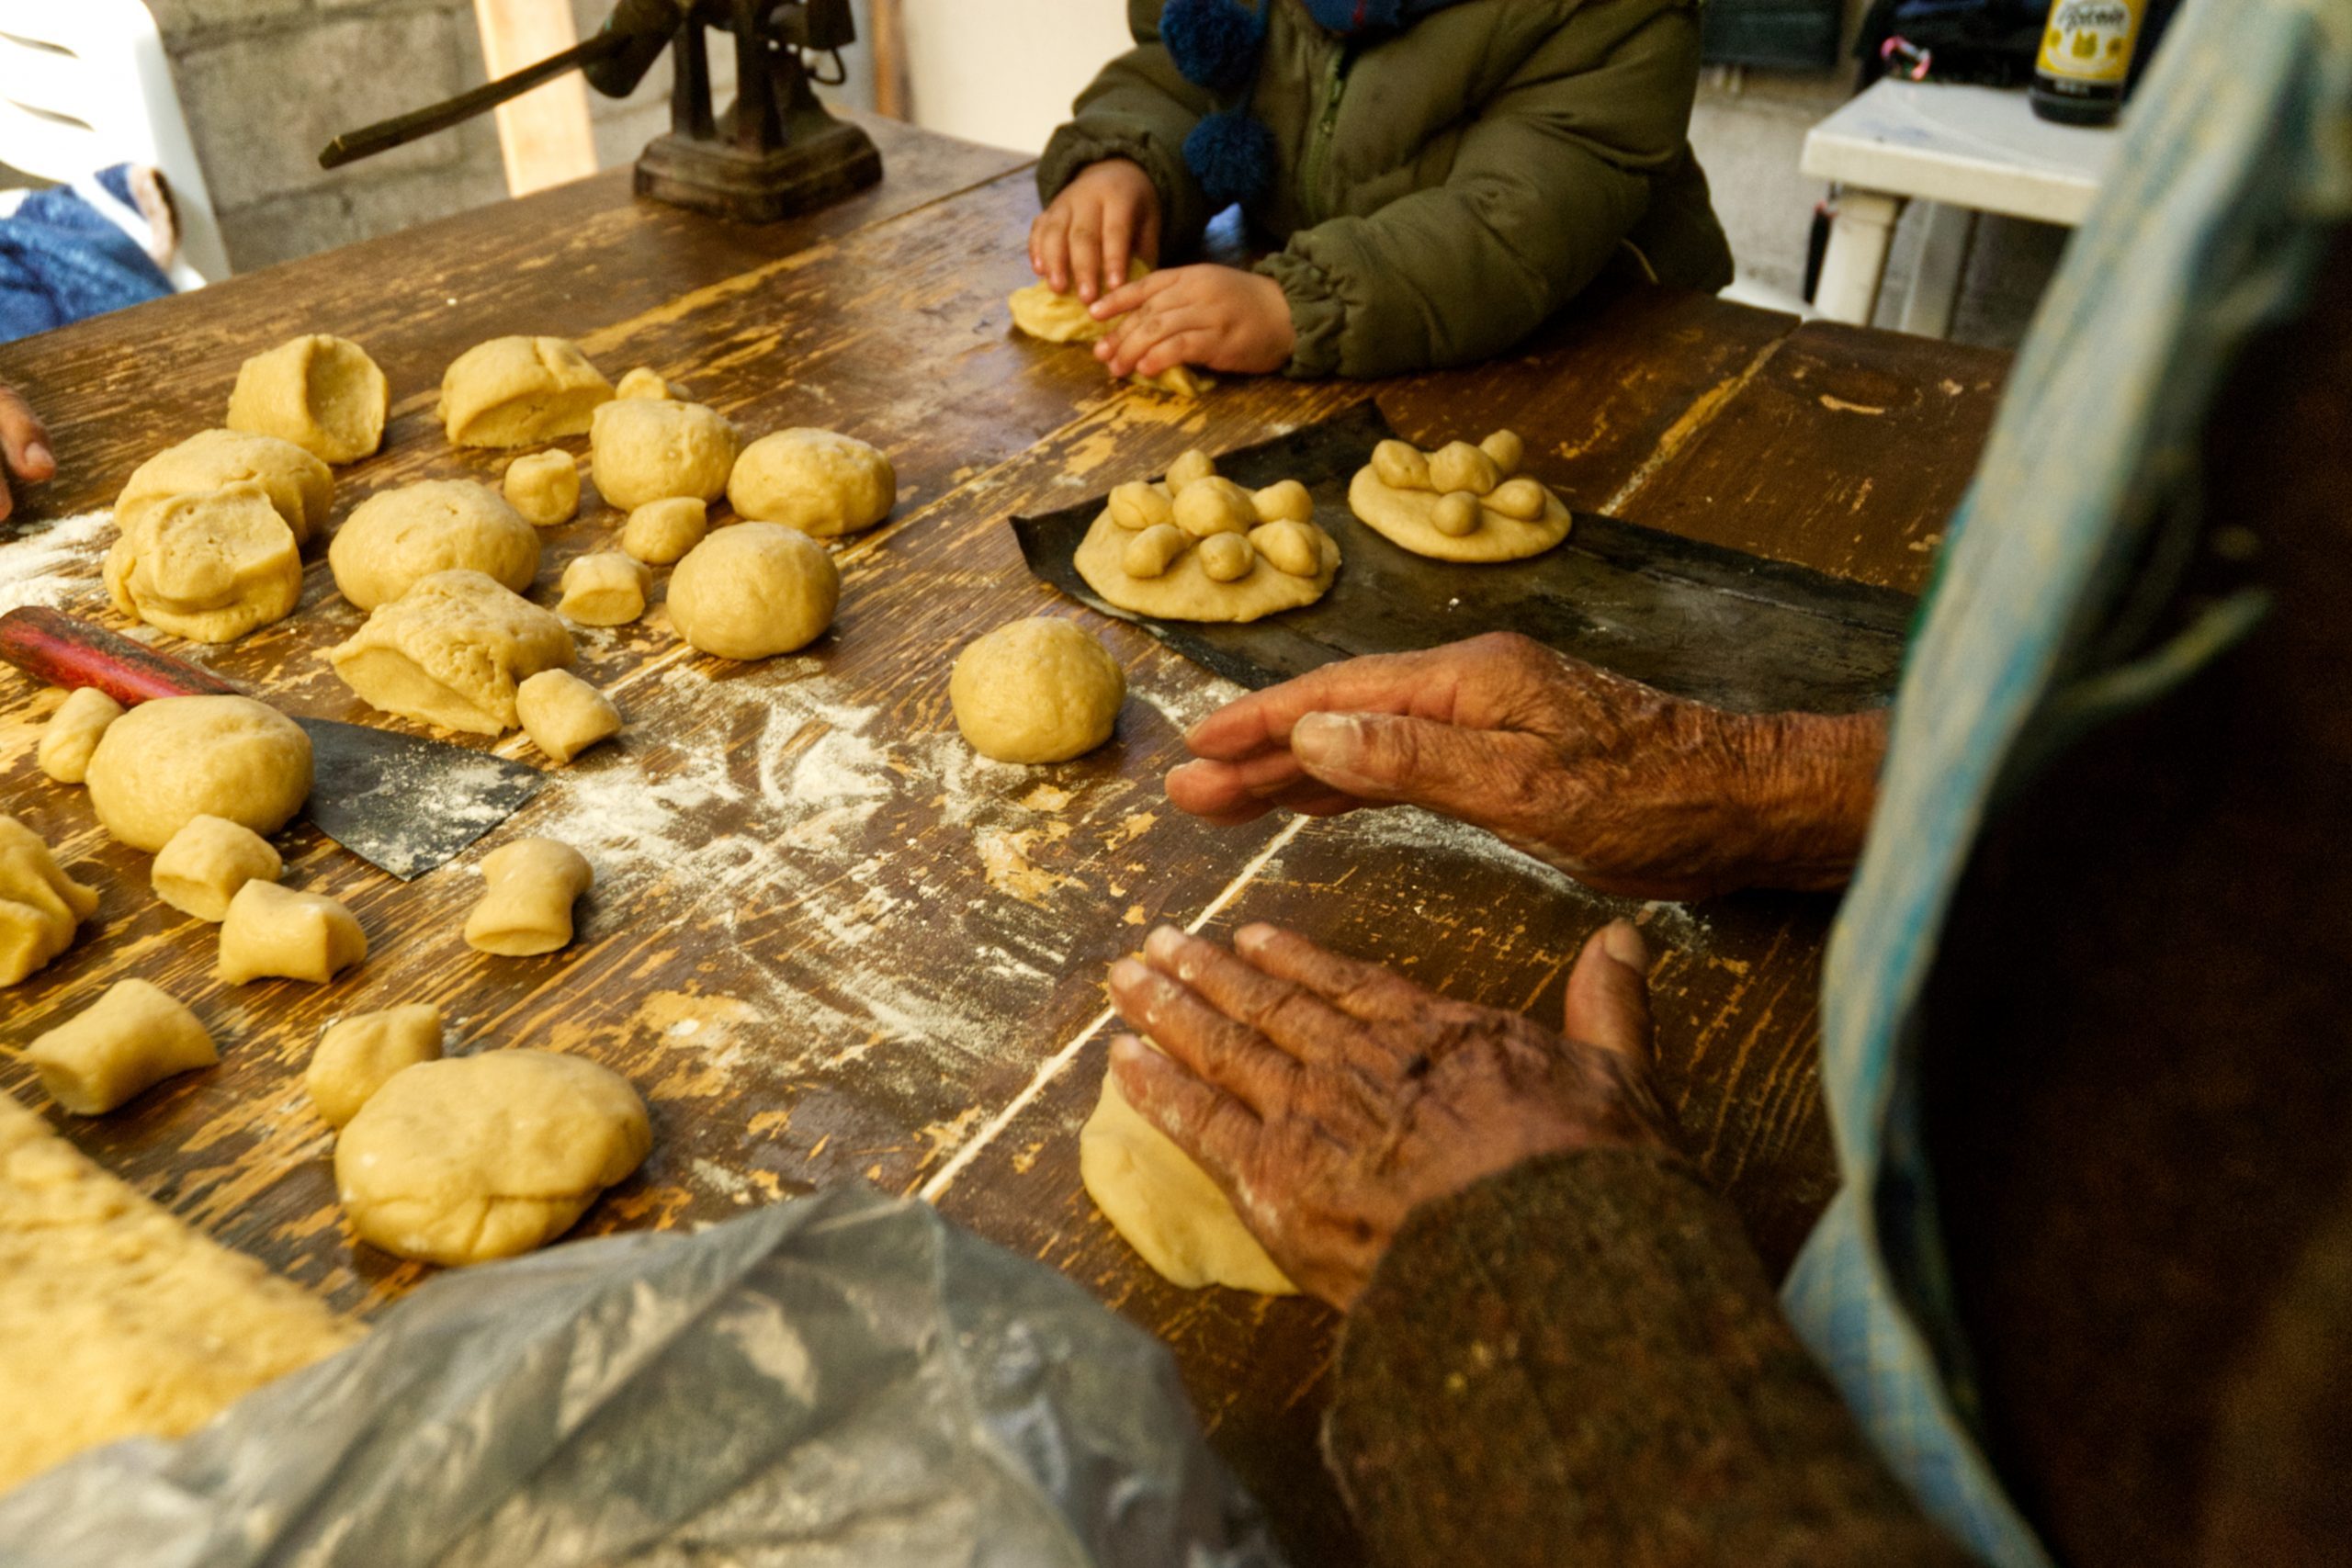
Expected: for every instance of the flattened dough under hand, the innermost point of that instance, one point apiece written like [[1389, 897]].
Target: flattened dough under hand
[[1165, 1206], [128, 1041], [1050, 316], [1403, 516]]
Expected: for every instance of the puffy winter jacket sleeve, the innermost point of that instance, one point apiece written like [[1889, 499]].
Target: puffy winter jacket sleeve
[[1139, 107]]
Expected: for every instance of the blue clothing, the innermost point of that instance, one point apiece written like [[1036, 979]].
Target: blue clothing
[[62, 259]]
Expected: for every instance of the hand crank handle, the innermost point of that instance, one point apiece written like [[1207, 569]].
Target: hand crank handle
[[65, 651]]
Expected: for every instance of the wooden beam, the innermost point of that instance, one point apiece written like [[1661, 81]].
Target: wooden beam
[[545, 134], [887, 27]]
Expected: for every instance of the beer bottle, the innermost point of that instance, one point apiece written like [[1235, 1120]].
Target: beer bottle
[[2086, 59]]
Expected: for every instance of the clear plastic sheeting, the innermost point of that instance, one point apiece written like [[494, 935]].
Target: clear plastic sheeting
[[845, 1382]]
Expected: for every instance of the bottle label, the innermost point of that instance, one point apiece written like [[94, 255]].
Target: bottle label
[[2089, 40]]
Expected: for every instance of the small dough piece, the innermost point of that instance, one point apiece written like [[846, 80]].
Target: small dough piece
[[544, 487], [1215, 505], [1408, 518], [643, 382], [1153, 551], [1455, 515], [130, 1039], [1401, 465], [520, 392], [1520, 500], [753, 589], [1288, 546], [1050, 316], [168, 761], [276, 931], [210, 567], [1183, 589], [1190, 468], [359, 1055], [1228, 557], [397, 537], [41, 907], [73, 731], [1165, 1206], [1036, 691], [563, 715], [475, 1158], [322, 393], [528, 888], [1286, 501], [818, 481], [1138, 505], [1506, 450], [642, 449], [1459, 466], [301, 487], [606, 589], [452, 651], [662, 532], [207, 862]]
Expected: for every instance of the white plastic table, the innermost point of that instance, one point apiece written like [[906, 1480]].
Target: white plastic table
[[1968, 149]]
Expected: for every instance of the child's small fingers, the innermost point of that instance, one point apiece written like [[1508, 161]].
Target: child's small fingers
[[1086, 252], [1189, 345], [1049, 239]]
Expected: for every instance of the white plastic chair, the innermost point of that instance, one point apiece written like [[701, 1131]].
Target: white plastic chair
[[85, 84]]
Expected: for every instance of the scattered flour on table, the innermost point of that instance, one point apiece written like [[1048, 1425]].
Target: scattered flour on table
[[50, 563]]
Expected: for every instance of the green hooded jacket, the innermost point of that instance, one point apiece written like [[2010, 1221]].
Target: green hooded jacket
[[1441, 190]]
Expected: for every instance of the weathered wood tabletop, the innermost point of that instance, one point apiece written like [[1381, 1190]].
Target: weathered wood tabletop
[[827, 943]]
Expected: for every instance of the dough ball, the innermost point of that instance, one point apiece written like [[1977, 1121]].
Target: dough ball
[[41, 907], [563, 715], [322, 393], [475, 1158], [660, 532], [528, 888], [1506, 449], [73, 732], [1286, 502], [1153, 551], [606, 589], [1165, 1206], [130, 1039], [1521, 500], [1456, 515], [1401, 465], [1189, 468], [520, 392], [275, 931], [452, 651], [210, 567], [301, 487], [544, 487], [754, 590], [1459, 466], [815, 480], [168, 761], [642, 382], [359, 1055], [1138, 505], [1228, 557], [642, 449], [207, 862], [1036, 691], [1288, 547], [397, 536], [1215, 505]]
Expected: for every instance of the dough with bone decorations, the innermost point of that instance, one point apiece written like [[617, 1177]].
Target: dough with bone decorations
[[1204, 557], [207, 862], [168, 761], [1459, 504], [40, 906], [642, 449], [543, 488], [74, 732], [130, 1039], [276, 932], [528, 888], [606, 589], [1050, 316], [323, 394], [301, 487], [210, 567], [473, 1158], [1036, 691], [1165, 1206], [395, 538], [818, 481], [754, 590], [660, 533], [563, 715], [520, 392], [452, 651], [357, 1054]]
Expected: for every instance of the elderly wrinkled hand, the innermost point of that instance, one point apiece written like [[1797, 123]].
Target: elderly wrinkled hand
[[24, 446], [1620, 785], [1329, 1098]]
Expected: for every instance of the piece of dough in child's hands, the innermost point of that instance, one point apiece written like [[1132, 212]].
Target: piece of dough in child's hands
[[1036, 691], [322, 393], [128, 1040], [520, 392], [359, 1055], [74, 732], [395, 538], [544, 487], [563, 715], [452, 651], [41, 907], [754, 590], [207, 862], [275, 931], [175, 759], [606, 589], [660, 532], [301, 487], [818, 481], [642, 449], [528, 888], [1165, 1206]]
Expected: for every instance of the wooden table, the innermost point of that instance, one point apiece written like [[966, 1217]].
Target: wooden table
[[827, 943]]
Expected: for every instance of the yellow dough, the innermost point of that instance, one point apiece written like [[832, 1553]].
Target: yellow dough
[[520, 392], [543, 488], [207, 862], [563, 715], [359, 1055], [168, 761], [660, 532], [273, 931], [644, 382], [1165, 1206], [528, 888], [642, 449], [1036, 691], [128, 1041], [73, 731], [1459, 504], [1050, 316], [41, 907], [210, 567], [818, 481], [475, 1158], [396, 537], [606, 589], [452, 651], [754, 590], [1208, 563], [301, 487], [322, 393]]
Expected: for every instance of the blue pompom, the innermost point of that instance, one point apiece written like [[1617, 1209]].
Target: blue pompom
[[1232, 157], [1213, 42]]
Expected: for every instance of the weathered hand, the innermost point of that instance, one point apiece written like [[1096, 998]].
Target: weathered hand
[[24, 442], [1084, 239], [1219, 317], [1617, 784], [1330, 1098]]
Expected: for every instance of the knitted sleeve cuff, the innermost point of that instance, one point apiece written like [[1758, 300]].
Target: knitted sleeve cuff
[[1317, 315]]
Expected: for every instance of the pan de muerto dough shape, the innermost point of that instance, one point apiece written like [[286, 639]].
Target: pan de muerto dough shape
[[660, 532], [1460, 502], [606, 589], [1165, 1206], [1036, 691], [475, 1158], [1197, 546], [41, 907], [301, 487], [168, 761], [818, 481], [207, 862], [397, 536], [130, 1039], [273, 931], [452, 651], [543, 487], [72, 733], [642, 449], [753, 589], [563, 715], [359, 1055], [322, 393], [210, 567], [520, 392], [528, 888]]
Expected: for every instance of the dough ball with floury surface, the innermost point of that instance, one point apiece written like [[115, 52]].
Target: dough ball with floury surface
[[1036, 691], [754, 590], [168, 761]]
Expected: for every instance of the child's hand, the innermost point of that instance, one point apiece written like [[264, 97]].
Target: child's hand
[[1219, 317], [1108, 214], [23, 448]]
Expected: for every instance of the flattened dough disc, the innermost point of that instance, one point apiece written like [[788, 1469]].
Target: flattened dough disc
[[1403, 516], [1186, 591], [1165, 1206]]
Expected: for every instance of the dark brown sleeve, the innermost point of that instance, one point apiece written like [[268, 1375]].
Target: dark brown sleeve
[[1580, 1361]]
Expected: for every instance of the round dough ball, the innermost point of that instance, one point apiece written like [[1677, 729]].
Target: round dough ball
[[72, 733], [396, 538], [168, 761], [754, 590], [322, 393], [1506, 450], [1286, 501], [1036, 691], [1215, 505], [301, 487], [544, 487], [208, 863], [359, 1055], [642, 382], [210, 567], [815, 480], [660, 532], [1228, 557], [1138, 505], [520, 392], [475, 1158], [606, 589], [642, 449], [1455, 515], [452, 651]]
